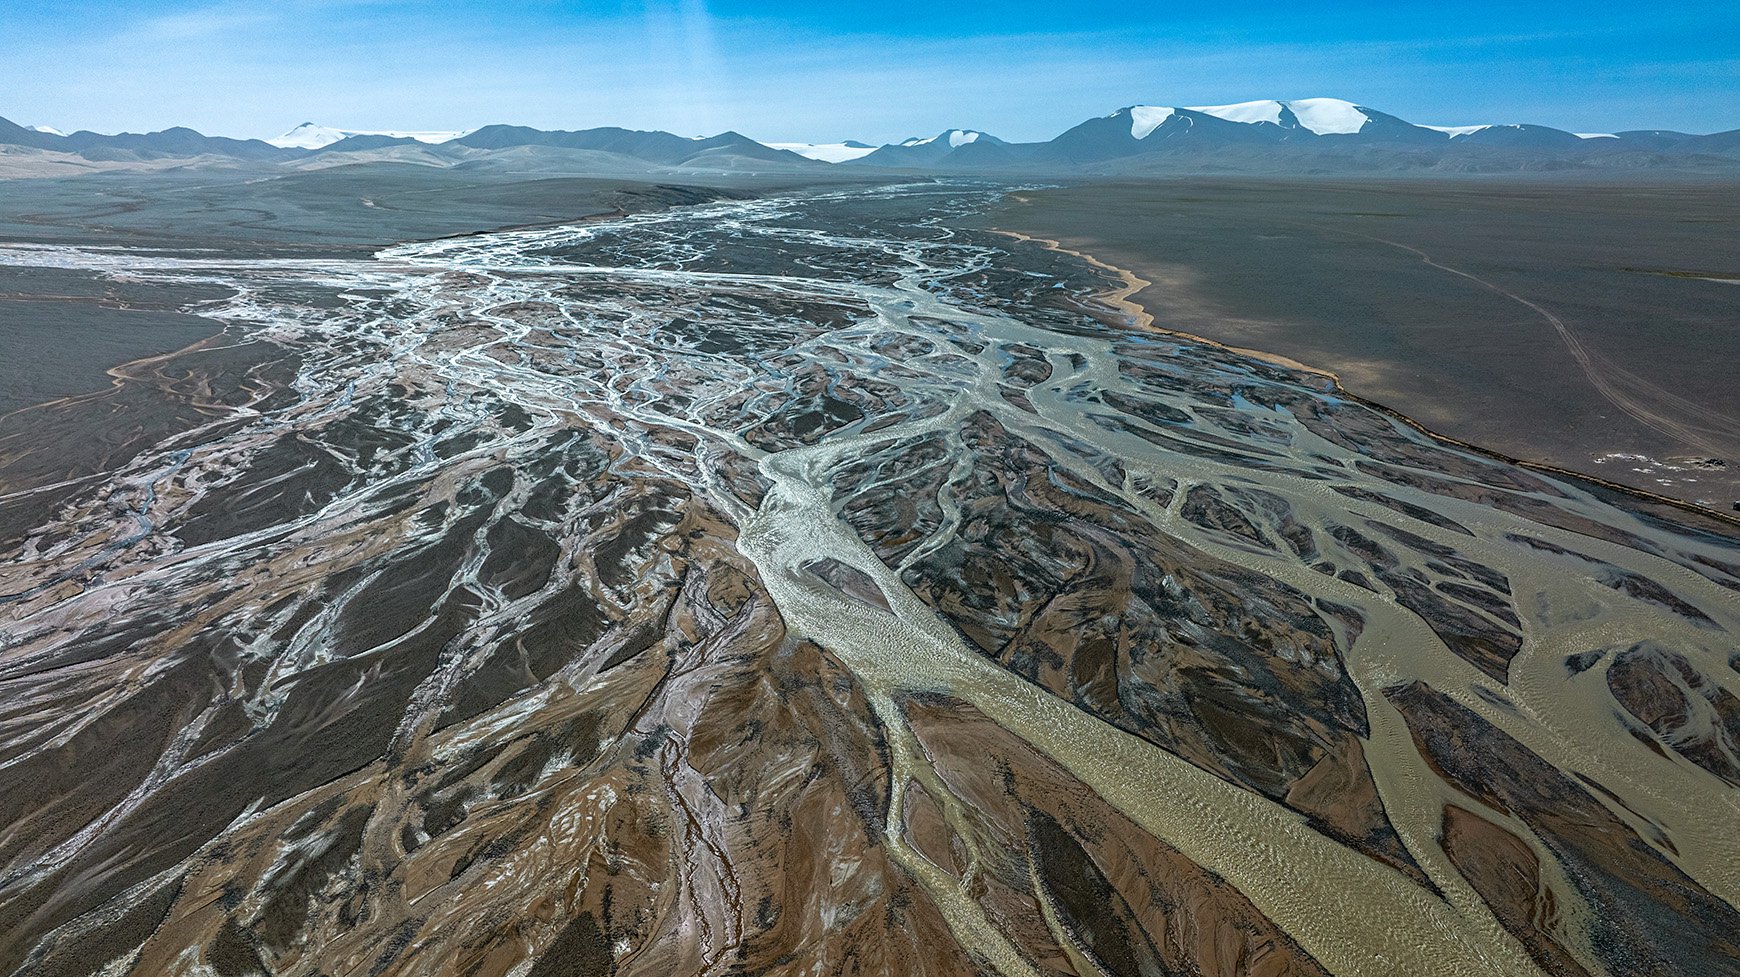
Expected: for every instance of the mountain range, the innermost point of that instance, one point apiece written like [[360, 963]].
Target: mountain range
[[1303, 135]]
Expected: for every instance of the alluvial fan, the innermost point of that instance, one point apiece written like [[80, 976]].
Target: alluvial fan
[[805, 585]]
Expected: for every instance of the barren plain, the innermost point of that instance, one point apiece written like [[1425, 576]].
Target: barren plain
[[1581, 322]]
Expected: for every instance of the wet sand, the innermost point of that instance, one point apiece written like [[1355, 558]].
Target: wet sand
[[61, 333], [1574, 325]]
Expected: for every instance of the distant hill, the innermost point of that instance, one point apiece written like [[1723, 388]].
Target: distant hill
[[652, 147], [178, 142]]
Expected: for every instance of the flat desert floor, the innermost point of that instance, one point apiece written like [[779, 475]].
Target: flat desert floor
[[1593, 326]]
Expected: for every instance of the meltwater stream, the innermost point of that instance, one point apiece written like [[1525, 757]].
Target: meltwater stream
[[1367, 680]]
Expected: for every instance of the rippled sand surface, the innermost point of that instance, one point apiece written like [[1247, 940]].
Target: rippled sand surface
[[802, 585]]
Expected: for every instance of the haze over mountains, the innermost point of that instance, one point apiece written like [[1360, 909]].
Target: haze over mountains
[[311, 136], [1304, 135]]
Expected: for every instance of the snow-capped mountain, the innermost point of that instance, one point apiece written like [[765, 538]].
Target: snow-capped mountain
[[1324, 116], [1266, 132], [1304, 119], [1263, 127], [922, 150], [50, 130], [827, 152], [1455, 132], [1513, 135], [1264, 119], [956, 138], [310, 136]]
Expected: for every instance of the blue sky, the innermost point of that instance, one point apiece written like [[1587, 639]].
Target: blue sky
[[876, 71]]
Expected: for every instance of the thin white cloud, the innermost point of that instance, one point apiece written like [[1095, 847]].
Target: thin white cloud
[[210, 22]]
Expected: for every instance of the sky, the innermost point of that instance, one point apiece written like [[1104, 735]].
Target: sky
[[786, 70]]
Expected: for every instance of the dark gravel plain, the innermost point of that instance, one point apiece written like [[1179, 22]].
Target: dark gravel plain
[[1335, 274]]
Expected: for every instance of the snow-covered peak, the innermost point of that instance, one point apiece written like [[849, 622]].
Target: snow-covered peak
[[1323, 116], [1144, 119], [956, 138], [1595, 135], [310, 136], [827, 152], [50, 130], [1250, 113], [1328, 116], [1455, 131]]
